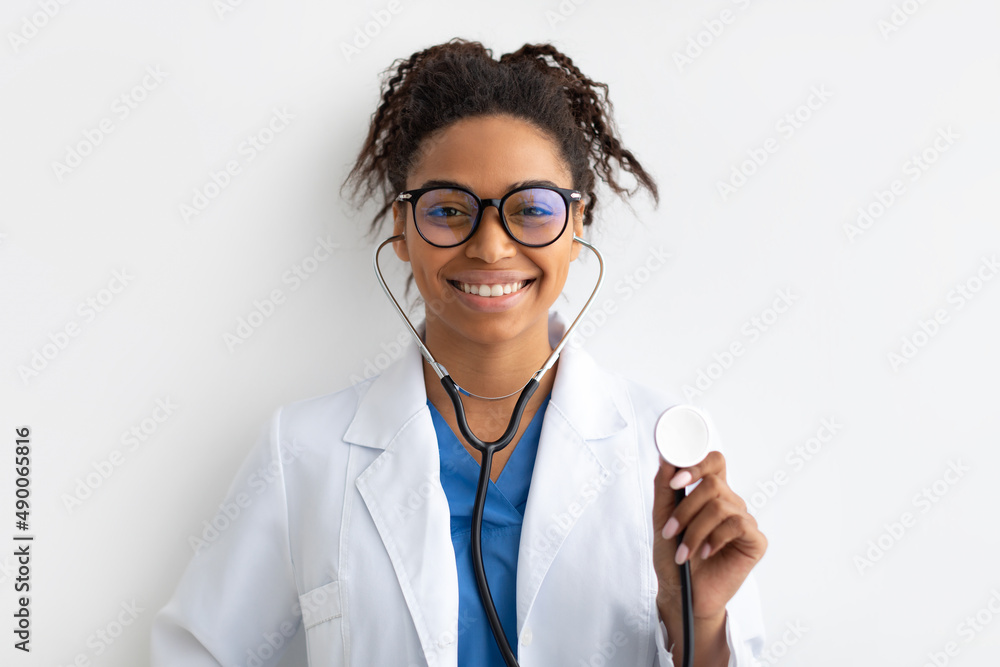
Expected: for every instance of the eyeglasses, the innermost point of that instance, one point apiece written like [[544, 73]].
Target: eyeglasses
[[533, 216]]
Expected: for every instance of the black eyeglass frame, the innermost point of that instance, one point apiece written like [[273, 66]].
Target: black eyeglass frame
[[569, 196]]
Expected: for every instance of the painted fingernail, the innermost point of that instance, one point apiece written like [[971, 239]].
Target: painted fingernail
[[680, 480], [670, 528], [705, 550], [682, 554]]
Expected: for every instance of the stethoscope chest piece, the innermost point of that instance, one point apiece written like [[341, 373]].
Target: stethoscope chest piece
[[682, 436]]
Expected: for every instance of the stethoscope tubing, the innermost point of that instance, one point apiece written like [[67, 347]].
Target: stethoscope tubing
[[487, 449], [687, 597], [479, 506]]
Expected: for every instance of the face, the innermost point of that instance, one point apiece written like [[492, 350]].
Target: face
[[489, 156]]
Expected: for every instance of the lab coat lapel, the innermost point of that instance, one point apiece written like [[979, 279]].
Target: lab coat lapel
[[403, 493], [568, 465]]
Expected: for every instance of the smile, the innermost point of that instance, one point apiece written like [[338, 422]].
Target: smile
[[491, 290]]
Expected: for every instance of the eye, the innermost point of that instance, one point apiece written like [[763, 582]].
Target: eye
[[445, 205], [441, 211], [535, 206], [534, 211], [444, 211]]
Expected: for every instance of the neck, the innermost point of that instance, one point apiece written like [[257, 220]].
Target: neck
[[488, 369]]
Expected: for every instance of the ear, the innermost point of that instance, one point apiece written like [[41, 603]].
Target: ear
[[399, 227], [577, 230]]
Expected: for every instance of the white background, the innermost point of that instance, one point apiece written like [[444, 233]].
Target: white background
[[888, 94]]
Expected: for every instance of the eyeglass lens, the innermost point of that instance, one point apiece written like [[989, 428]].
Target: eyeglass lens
[[534, 216]]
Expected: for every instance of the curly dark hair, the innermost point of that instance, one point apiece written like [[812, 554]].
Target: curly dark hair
[[458, 79]]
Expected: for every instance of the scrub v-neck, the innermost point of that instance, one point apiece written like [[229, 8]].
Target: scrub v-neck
[[506, 500]]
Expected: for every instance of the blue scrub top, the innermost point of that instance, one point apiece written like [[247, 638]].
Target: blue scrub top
[[502, 517]]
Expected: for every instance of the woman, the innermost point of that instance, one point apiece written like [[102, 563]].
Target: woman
[[362, 531]]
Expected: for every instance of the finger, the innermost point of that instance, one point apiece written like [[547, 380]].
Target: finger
[[731, 529], [713, 464], [663, 495], [710, 518], [710, 488]]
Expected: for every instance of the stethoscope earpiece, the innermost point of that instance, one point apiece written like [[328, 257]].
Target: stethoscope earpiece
[[682, 436]]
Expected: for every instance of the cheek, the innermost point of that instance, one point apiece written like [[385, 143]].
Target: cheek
[[419, 273], [557, 269], [425, 264]]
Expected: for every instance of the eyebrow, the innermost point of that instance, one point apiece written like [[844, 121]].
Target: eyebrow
[[437, 182]]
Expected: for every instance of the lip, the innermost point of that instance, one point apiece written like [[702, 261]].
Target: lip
[[491, 304]]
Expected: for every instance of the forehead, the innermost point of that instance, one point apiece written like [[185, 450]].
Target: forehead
[[489, 153]]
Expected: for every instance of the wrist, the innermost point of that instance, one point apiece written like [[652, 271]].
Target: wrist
[[669, 604], [711, 642]]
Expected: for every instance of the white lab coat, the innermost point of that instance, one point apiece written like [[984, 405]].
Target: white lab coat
[[337, 519]]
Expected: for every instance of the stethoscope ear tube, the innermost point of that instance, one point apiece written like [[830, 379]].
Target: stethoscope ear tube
[[512, 425]]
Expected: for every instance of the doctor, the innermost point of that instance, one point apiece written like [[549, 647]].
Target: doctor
[[338, 519]]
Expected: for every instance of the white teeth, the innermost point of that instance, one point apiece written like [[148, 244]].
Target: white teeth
[[493, 290]]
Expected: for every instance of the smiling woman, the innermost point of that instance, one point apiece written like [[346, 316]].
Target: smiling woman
[[488, 168], [511, 325]]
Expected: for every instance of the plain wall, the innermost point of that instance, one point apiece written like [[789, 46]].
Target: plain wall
[[815, 115]]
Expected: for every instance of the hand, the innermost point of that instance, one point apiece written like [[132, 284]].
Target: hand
[[721, 539]]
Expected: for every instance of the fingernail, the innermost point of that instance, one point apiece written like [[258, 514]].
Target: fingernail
[[680, 480], [670, 528], [705, 550], [682, 554]]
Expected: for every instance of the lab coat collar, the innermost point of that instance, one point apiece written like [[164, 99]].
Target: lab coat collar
[[398, 395], [402, 491]]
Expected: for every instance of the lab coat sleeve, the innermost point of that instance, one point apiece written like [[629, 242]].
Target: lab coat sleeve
[[236, 602], [744, 630]]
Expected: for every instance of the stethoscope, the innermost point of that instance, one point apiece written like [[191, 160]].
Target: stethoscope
[[488, 449], [682, 437]]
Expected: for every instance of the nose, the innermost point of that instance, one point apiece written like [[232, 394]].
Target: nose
[[491, 242]]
